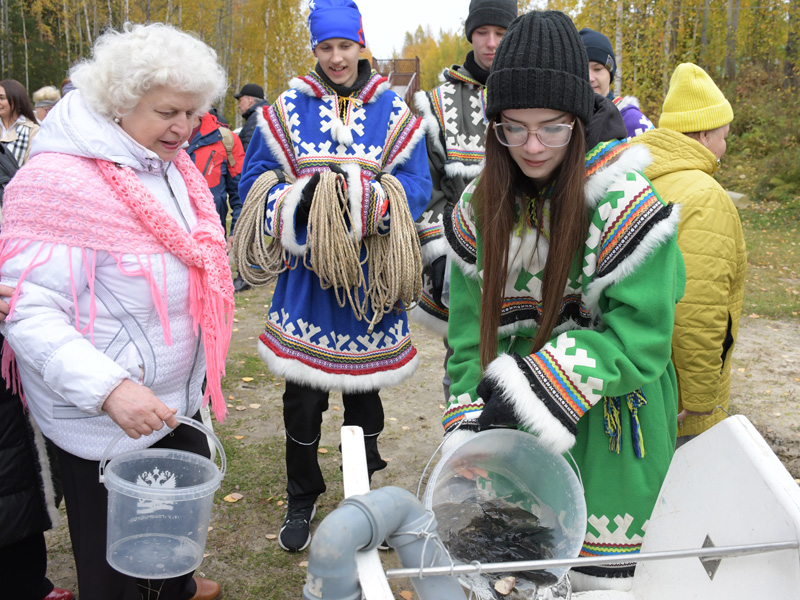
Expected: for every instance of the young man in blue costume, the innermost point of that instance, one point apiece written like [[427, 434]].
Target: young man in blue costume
[[341, 117]]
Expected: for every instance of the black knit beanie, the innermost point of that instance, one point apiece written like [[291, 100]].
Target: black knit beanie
[[598, 49], [541, 63], [489, 12]]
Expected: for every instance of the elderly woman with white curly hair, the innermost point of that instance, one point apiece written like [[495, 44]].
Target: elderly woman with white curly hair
[[123, 298]]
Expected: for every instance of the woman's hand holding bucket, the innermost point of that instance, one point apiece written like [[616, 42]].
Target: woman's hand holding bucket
[[137, 410]]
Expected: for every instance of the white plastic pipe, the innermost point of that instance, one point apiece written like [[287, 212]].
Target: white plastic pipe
[[362, 522]]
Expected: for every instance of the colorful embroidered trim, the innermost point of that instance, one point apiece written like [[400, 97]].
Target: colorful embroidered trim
[[459, 413], [559, 390], [428, 304], [340, 363], [459, 235], [637, 218], [320, 88], [602, 154], [276, 118], [454, 75], [427, 234], [515, 309], [401, 134], [595, 549]]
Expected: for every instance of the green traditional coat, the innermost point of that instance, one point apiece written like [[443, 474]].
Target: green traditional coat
[[603, 386]]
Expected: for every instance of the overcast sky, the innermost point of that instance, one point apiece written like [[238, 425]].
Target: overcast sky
[[386, 21]]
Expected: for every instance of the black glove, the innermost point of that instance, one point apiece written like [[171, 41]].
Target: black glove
[[306, 197], [436, 272], [497, 412]]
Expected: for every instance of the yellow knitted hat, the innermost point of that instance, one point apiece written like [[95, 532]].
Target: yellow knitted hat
[[694, 102]]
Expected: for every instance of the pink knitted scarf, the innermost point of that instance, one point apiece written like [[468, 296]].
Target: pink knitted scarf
[[34, 209]]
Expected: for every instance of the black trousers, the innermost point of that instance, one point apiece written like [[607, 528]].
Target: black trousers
[[302, 416], [23, 565], [87, 504]]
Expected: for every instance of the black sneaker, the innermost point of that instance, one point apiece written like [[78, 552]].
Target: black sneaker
[[240, 285], [295, 534]]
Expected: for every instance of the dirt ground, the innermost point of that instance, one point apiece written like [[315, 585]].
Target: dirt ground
[[765, 388]]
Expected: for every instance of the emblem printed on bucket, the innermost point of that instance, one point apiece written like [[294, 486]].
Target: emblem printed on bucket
[[155, 479]]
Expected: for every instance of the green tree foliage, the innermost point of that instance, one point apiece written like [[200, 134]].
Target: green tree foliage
[[258, 41], [750, 47], [434, 53]]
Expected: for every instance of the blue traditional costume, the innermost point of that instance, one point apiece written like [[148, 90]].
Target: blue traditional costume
[[317, 344]]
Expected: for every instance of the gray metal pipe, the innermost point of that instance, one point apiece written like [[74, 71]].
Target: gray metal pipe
[[361, 523]]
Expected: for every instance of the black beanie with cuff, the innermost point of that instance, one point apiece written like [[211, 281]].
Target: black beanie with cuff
[[541, 63]]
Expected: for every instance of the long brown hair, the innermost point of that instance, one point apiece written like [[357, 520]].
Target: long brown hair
[[18, 100], [494, 200]]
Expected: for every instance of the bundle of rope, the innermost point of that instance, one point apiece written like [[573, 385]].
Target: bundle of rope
[[258, 258], [394, 260]]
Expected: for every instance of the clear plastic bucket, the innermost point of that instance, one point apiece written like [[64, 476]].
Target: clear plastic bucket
[[510, 468], [159, 507]]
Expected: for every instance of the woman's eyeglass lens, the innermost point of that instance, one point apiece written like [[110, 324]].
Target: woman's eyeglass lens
[[552, 136]]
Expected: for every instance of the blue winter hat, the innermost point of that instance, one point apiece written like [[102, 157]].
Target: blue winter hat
[[598, 49], [334, 19]]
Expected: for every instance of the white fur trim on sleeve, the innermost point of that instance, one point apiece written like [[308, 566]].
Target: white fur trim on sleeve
[[528, 407], [635, 158], [290, 202], [454, 439], [434, 249]]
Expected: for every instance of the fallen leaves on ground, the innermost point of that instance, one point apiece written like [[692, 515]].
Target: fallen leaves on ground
[[234, 497]]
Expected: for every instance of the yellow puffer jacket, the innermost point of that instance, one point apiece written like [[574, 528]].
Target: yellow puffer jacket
[[712, 242]]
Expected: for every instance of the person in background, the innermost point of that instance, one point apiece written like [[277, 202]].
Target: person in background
[[340, 121], [687, 147], [564, 327], [28, 496], [217, 152], [124, 300], [43, 100], [250, 101], [66, 86], [218, 155], [18, 124], [455, 124], [602, 68]]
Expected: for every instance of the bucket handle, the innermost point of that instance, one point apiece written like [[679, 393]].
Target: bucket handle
[[577, 468], [181, 419]]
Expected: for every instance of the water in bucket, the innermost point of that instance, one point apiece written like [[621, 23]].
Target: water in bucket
[[531, 499], [159, 508]]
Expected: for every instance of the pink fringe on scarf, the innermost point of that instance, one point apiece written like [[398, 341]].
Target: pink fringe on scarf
[[34, 210]]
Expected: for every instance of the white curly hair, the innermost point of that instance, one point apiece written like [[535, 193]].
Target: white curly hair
[[126, 64]]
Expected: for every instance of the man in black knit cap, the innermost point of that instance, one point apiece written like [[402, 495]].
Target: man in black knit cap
[[455, 125]]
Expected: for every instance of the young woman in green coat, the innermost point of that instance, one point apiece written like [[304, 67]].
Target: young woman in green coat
[[563, 290]]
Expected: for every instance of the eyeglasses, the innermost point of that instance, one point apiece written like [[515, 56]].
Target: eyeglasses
[[552, 136]]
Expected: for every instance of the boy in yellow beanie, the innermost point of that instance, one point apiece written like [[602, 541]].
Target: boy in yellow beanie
[[686, 148]]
